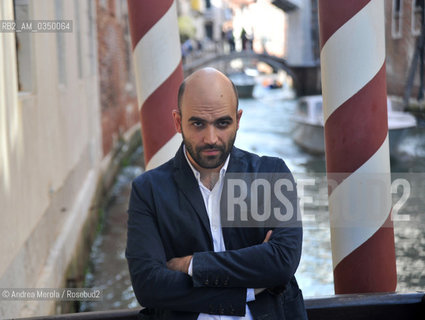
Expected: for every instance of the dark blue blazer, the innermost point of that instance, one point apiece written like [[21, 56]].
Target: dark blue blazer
[[167, 219]]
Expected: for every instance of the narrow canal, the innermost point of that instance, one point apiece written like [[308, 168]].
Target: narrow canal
[[265, 129]]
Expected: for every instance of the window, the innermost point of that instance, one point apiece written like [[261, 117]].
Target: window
[[92, 39], [417, 10], [23, 47], [128, 52], [61, 45], [78, 35], [119, 10], [397, 19], [318, 108], [303, 108], [104, 4]]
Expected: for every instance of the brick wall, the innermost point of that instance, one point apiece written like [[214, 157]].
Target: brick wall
[[400, 50], [117, 88]]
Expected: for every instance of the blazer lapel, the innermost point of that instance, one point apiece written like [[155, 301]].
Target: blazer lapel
[[236, 164], [188, 185]]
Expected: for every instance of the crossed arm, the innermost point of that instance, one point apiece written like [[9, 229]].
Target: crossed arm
[[182, 264]]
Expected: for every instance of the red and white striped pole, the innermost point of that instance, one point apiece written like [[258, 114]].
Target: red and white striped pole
[[158, 72], [352, 36]]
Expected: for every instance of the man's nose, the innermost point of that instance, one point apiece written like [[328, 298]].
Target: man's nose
[[210, 135]]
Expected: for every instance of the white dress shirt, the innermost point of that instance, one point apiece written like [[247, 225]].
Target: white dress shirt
[[212, 204]]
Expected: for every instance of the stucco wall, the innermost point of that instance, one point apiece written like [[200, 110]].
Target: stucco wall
[[299, 43], [50, 151]]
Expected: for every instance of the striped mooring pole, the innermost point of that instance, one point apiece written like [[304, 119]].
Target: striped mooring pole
[[158, 73], [352, 36]]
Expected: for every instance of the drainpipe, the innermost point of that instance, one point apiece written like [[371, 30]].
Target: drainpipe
[[352, 36], [158, 73]]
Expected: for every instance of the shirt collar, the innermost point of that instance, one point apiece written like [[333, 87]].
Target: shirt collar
[[197, 173]]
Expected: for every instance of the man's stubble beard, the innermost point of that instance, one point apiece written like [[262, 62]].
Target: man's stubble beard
[[211, 163]]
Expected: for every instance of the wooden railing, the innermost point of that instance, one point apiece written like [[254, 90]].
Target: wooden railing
[[391, 306]]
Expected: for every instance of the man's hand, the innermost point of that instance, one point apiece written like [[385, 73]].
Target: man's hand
[[179, 264], [268, 235]]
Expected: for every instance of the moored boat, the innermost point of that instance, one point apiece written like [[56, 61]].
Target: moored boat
[[244, 83], [308, 132]]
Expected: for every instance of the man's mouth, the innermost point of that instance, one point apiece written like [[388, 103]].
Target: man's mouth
[[211, 152]]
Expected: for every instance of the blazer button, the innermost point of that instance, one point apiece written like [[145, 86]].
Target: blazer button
[[232, 310]]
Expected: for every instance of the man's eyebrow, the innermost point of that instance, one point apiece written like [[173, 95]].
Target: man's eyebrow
[[225, 118], [196, 119]]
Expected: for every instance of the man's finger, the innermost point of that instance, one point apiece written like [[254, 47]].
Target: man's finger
[[268, 235], [170, 264]]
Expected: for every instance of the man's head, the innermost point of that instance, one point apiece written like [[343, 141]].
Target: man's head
[[183, 87], [208, 117]]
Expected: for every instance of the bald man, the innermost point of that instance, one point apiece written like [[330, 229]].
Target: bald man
[[191, 253]]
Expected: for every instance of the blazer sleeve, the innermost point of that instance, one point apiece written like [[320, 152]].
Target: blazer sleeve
[[154, 285], [265, 265]]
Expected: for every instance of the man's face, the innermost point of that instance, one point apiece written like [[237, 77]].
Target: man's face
[[209, 140], [208, 122]]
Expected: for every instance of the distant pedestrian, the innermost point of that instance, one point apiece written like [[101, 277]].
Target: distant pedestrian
[[230, 39], [186, 48], [244, 39]]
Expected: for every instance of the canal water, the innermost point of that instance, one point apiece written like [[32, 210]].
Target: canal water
[[266, 130]]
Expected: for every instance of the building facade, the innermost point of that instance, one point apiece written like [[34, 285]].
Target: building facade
[[67, 101], [302, 43], [50, 141], [403, 22], [403, 30], [118, 99]]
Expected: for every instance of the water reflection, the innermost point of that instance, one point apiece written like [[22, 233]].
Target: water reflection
[[411, 152], [265, 129]]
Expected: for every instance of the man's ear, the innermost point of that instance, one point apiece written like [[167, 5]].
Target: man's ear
[[238, 117], [177, 120]]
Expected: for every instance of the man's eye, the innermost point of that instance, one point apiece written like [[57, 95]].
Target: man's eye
[[197, 124], [223, 124]]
